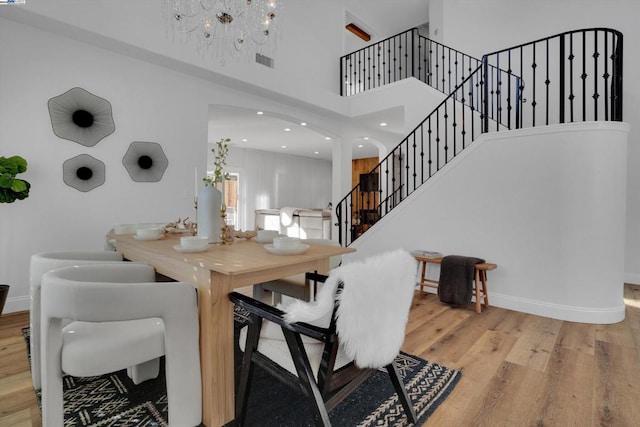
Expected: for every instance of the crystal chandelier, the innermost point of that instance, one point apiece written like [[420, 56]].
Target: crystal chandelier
[[225, 28]]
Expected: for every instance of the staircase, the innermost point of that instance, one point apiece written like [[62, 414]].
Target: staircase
[[574, 76]]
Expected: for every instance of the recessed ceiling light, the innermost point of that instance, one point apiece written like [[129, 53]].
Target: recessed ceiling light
[[244, 139], [366, 138], [360, 145], [287, 129], [259, 113], [327, 138], [383, 124], [316, 152], [284, 146], [303, 124]]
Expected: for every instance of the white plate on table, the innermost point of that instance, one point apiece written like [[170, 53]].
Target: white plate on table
[[183, 250], [147, 238], [293, 251]]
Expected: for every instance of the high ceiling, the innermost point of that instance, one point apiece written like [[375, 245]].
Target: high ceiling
[[266, 132], [248, 129]]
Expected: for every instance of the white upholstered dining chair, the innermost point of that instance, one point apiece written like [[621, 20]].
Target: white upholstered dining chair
[[106, 304], [40, 264]]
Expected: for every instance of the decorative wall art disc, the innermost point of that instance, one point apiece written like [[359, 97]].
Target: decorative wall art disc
[[145, 161], [83, 172], [80, 116]]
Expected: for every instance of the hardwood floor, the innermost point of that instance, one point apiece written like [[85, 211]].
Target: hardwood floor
[[518, 369]]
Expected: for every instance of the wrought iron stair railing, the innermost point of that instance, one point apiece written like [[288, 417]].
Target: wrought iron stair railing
[[570, 77]]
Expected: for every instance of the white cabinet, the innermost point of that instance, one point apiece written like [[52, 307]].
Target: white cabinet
[[306, 223]]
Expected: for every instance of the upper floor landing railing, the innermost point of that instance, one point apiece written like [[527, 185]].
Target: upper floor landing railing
[[404, 55], [575, 76]]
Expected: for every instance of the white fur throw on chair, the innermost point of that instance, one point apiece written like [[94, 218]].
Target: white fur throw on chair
[[374, 306]]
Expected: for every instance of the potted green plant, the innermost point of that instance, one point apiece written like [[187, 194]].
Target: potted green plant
[[11, 189]]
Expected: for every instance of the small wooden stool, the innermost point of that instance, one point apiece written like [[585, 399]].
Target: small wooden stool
[[479, 280]]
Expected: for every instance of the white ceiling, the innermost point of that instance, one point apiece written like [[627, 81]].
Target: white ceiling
[[266, 132]]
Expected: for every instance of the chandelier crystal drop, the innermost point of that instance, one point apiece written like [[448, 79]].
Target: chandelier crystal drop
[[225, 28]]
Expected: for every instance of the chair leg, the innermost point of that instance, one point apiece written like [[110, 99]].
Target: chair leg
[[307, 380], [259, 292], [246, 370], [144, 371], [405, 400]]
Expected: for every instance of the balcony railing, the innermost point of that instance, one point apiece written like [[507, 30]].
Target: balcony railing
[[404, 55], [573, 76]]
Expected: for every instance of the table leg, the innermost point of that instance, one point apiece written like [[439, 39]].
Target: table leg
[[216, 348]]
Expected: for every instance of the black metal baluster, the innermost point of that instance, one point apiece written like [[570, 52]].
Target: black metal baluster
[[605, 76], [446, 134], [509, 89], [472, 102], [571, 94], [449, 71], [561, 77], [595, 95], [617, 80], [431, 65], [485, 95], [371, 68], [415, 172], [443, 70], [422, 152], [406, 166], [430, 147], [521, 88], [547, 82], [389, 61], [498, 116], [584, 76], [533, 89], [454, 125]]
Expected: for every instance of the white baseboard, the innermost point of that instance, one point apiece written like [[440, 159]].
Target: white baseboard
[[16, 304], [555, 311], [603, 316], [632, 278]]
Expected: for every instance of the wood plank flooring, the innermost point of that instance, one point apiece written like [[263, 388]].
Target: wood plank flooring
[[518, 369]]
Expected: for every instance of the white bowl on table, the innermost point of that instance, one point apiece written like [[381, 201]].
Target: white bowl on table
[[194, 243], [148, 234], [286, 243], [266, 236]]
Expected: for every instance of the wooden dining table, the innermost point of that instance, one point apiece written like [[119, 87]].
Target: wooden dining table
[[215, 273]]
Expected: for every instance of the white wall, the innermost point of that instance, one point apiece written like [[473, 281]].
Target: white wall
[[555, 227], [307, 51], [150, 103], [478, 28], [271, 180]]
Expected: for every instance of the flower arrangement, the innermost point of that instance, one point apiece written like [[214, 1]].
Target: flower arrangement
[[220, 152]]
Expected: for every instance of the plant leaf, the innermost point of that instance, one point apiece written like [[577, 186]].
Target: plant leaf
[[7, 166], [6, 180], [7, 196], [19, 185], [20, 163]]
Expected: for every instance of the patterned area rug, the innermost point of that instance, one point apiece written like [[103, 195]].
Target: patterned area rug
[[113, 400]]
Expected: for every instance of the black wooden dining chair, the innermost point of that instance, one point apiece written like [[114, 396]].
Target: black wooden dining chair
[[330, 357]]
